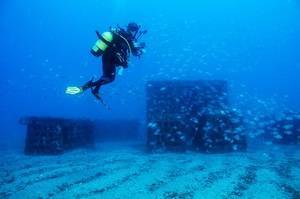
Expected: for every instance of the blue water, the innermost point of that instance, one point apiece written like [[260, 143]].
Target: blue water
[[252, 44], [45, 47]]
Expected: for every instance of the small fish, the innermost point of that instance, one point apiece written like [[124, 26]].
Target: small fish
[[235, 147], [209, 141], [157, 132], [289, 118], [268, 143], [237, 137], [182, 137], [162, 88], [195, 120], [279, 137], [152, 125], [288, 132], [288, 126], [178, 117]]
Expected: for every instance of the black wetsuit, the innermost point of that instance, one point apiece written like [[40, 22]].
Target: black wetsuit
[[108, 69], [115, 55]]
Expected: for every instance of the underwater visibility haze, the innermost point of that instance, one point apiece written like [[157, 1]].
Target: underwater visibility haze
[[248, 48]]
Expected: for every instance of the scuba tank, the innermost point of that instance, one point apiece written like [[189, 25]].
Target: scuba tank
[[103, 42]]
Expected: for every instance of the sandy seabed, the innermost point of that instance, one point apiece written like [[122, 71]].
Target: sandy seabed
[[126, 171]]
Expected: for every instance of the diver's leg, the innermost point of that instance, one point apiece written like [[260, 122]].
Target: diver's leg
[[88, 85], [108, 69], [102, 81], [109, 73]]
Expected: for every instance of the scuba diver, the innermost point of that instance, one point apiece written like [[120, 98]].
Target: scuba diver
[[115, 47]]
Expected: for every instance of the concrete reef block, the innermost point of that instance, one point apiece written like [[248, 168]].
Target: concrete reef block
[[184, 99], [284, 130], [207, 133], [47, 135], [220, 133], [192, 115]]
